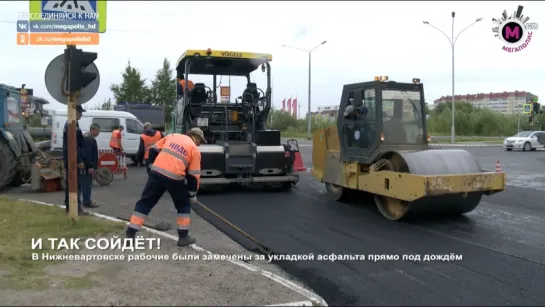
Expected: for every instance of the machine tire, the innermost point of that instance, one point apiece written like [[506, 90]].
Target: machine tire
[[508, 149], [17, 181], [104, 176], [7, 165], [527, 146], [335, 192]]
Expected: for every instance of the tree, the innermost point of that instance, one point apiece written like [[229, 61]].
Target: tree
[[163, 90], [107, 105], [133, 87]]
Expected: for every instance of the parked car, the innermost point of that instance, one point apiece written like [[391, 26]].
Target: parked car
[[525, 140]]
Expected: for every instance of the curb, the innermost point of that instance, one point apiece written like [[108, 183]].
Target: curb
[[315, 299]]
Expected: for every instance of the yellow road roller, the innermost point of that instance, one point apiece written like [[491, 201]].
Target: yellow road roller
[[380, 146]]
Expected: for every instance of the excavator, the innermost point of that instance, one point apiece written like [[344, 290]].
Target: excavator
[[240, 150], [379, 145]]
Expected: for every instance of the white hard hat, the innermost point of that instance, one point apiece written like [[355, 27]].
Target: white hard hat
[[349, 110]]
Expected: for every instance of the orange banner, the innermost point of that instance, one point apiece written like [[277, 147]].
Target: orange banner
[[58, 39]]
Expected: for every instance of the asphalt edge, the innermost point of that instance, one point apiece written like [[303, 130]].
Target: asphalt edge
[[314, 299]]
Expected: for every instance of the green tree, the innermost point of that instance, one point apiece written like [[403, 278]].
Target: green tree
[[163, 90], [107, 105], [479, 122], [133, 87]]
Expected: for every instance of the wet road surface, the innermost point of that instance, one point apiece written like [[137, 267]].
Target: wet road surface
[[502, 242]]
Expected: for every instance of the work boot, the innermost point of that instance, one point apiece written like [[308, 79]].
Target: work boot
[[186, 241], [92, 205], [130, 234]]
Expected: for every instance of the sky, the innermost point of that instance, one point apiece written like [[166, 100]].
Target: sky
[[364, 39]]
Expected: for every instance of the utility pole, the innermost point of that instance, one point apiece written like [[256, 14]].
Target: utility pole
[[452, 40], [309, 128]]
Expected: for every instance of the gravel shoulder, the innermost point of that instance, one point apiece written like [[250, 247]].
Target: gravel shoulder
[[216, 282], [190, 281]]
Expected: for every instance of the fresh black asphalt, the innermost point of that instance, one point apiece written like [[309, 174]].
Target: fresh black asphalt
[[502, 242]]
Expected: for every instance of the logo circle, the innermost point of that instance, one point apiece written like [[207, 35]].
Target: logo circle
[[356, 135], [512, 32]]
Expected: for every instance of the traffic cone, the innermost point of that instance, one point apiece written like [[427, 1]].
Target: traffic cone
[[298, 165], [498, 166]]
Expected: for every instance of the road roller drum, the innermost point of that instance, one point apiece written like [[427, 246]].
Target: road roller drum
[[431, 162]]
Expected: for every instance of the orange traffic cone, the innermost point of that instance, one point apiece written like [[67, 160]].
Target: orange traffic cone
[[298, 165], [498, 166]]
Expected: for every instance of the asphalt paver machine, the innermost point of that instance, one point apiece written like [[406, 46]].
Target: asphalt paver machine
[[380, 145], [240, 149]]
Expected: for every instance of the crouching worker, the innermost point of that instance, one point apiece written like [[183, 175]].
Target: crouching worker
[[147, 139], [176, 168]]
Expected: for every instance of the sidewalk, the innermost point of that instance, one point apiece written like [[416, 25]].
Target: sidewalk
[[151, 282], [217, 282]]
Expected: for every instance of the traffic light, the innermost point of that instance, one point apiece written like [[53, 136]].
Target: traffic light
[[77, 61], [537, 108]]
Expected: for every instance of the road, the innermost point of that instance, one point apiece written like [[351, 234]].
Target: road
[[502, 242]]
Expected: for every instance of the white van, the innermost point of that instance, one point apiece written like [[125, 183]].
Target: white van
[[107, 120]]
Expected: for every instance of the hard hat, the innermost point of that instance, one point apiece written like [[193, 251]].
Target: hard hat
[[198, 132], [349, 110]]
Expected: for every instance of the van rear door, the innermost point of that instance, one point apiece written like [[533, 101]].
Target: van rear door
[[131, 136]]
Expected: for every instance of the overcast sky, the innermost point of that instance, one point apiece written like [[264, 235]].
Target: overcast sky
[[364, 39]]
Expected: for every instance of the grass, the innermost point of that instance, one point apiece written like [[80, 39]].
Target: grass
[[22, 221], [459, 139]]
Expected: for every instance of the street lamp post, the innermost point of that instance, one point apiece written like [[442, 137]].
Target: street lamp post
[[309, 119], [452, 40]]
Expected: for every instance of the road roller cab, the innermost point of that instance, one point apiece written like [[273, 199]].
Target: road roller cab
[[380, 145], [380, 116]]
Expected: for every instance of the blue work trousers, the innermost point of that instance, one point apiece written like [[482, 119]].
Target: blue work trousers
[[156, 186], [86, 186]]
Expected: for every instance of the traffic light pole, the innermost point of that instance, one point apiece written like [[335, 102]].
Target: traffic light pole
[[72, 159], [72, 169]]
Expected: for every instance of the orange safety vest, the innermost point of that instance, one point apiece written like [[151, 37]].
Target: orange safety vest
[[190, 85], [178, 156], [115, 140], [149, 141]]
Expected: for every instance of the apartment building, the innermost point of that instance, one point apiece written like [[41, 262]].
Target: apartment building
[[326, 112], [505, 102]]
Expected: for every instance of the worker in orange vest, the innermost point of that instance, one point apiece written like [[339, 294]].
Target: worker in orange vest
[[115, 140], [181, 85], [176, 168], [147, 139]]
